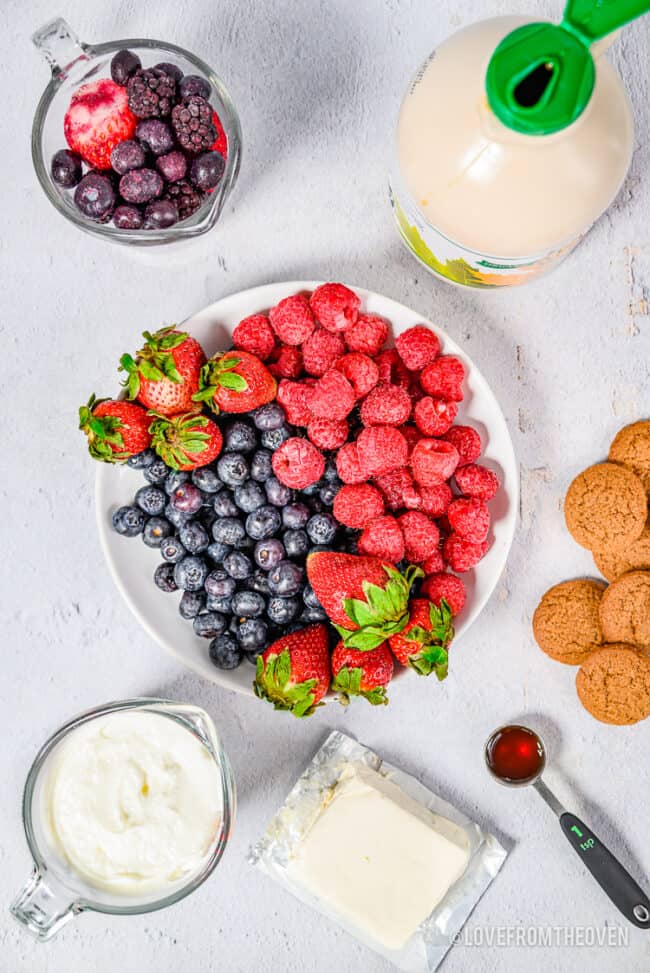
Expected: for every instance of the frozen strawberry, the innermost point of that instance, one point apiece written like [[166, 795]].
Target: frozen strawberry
[[417, 347], [327, 433], [383, 538], [433, 417], [386, 405], [470, 518], [462, 555], [348, 466], [433, 461], [381, 449], [434, 564], [398, 489], [421, 536], [467, 441], [477, 481], [97, 119], [367, 335], [297, 463], [443, 378], [292, 319], [357, 673], [321, 350], [255, 335], [220, 144], [360, 371], [357, 504], [333, 396], [286, 362], [335, 306], [392, 369], [295, 398], [434, 500], [435, 587]]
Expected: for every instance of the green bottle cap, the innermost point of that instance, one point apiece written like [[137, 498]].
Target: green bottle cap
[[541, 76]]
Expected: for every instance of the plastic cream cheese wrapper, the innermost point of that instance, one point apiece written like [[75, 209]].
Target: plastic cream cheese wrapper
[[373, 849]]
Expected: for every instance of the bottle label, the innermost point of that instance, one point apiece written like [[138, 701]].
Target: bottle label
[[458, 264]]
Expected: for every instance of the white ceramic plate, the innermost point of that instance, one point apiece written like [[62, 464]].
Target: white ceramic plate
[[132, 563]]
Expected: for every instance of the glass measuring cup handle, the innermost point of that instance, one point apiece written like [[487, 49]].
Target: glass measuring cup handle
[[43, 908], [613, 879], [60, 46]]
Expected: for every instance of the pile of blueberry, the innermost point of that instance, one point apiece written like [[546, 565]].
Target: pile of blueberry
[[234, 539]]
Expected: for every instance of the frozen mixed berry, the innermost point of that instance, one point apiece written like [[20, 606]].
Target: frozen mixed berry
[[297, 463], [367, 335], [383, 538], [172, 166], [417, 347], [95, 196], [421, 535], [327, 433], [123, 65], [160, 214], [141, 185], [192, 124], [386, 405], [381, 449], [192, 84], [470, 518], [477, 481], [443, 378], [292, 319], [65, 168], [155, 136], [172, 70], [433, 461], [127, 155], [321, 350], [206, 170], [151, 93], [286, 362], [255, 335], [441, 585], [186, 198], [434, 417], [461, 554], [336, 307], [129, 521], [355, 505], [333, 396], [127, 217], [97, 118], [360, 371]]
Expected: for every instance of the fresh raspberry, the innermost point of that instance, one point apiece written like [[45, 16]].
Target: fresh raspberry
[[434, 417], [382, 538], [434, 564], [470, 518], [392, 369], [321, 350], [381, 449], [367, 335], [292, 319], [348, 466], [333, 396], [421, 536], [417, 347], [467, 441], [255, 335], [297, 463], [435, 499], [433, 461], [286, 362], [386, 405], [98, 119], [443, 378], [295, 398], [477, 481], [335, 306], [412, 435], [437, 586], [461, 555], [355, 505], [360, 371], [327, 433], [398, 489]]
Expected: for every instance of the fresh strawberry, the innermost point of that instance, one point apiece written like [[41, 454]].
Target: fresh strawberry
[[294, 672], [97, 119], [235, 382], [365, 598], [165, 372], [423, 642], [187, 441], [115, 429], [362, 673]]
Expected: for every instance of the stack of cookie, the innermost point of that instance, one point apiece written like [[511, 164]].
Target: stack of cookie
[[606, 629]]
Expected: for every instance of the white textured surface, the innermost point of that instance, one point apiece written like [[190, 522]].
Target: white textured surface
[[317, 85]]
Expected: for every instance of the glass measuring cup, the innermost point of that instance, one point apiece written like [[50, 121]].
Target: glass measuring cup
[[56, 893]]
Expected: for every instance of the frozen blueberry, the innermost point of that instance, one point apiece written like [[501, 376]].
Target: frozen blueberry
[[273, 438], [164, 577], [176, 517], [321, 528], [261, 468], [127, 217], [238, 437], [238, 565], [190, 573], [277, 493], [232, 469], [139, 185], [151, 499], [206, 479], [194, 537], [208, 625], [258, 581], [126, 156], [296, 543], [170, 69], [155, 136], [171, 549], [141, 460], [295, 515], [129, 521], [187, 498], [172, 166], [219, 583], [309, 598], [216, 551], [174, 479], [327, 493], [252, 635], [160, 214], [206, 170], [66, 168], [156, 530], [229, 530], [224, 505], [95, 196], [286, 579], [224, 650], [263, 523], [269, 552], [192, 84], [124, 64], [269, 416], [248, 604], [281, 611], [249, 496], [191, 603]]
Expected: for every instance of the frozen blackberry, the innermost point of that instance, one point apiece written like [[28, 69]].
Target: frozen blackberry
[[187, 199], [192, 124], [151, 93]]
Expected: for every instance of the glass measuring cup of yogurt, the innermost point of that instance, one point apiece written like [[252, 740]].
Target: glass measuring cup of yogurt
[[127, 809]]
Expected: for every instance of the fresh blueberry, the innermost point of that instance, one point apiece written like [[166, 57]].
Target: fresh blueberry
[[269, 416], [258, 581], [296, 543], [172, 550], [248, 604], [217, 551], [311, 490], [252, 634], [172, 166], [208, 625], [309, 597], [206, 479], [312, 615], [229, 530], [322, 528], [164, 578], [249, 496], [263, 523], [170, 69], [351, 545], [331, 473], [286, 579], [224, 650], [160, 214], [238, 437], [273, 438], [281, 611], [295, 515], [155, 531], [224, 505], [194, 537], [238, 565], [174, 479], [277, 493], [66, 168], [261, 468], [141, 460], [219, 583], [155, 136], [190, 573], [123, 65], [321, 548], [129, 521], [156, 472], [95, 196], [137, 185], [219, 603], [232, 469], [176, 517], [127, 155], [151, 499], [327, 493], [206, 170], [316, 505], [127, 217], [191, 603], [192, 84], [269, 552]]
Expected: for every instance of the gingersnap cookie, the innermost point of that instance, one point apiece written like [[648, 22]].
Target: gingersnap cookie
[[606, 508], [613, 684], [637, 556], [566, 623], [625, 609], [631, 448]]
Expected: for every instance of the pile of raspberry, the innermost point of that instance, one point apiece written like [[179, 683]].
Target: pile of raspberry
[[412, 486]]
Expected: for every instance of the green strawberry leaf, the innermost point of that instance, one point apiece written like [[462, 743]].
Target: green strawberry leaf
[[230, 380]]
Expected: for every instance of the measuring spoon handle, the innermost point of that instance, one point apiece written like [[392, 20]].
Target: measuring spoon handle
[[613, 879]]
